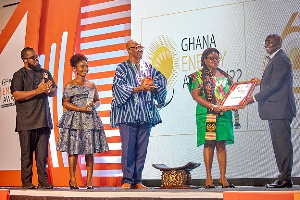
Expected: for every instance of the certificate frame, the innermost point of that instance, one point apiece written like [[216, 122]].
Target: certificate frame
[[237, 95]]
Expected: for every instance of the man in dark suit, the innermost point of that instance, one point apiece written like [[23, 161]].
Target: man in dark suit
[[31, 86], [276, 103]]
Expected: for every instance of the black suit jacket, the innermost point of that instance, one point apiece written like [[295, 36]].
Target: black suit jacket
[[276, 98]]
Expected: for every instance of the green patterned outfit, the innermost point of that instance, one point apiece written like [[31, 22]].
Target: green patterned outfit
[[224, 125]]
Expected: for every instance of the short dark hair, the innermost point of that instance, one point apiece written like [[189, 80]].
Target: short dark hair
[[24, 52], [206, 52], [77, 58]]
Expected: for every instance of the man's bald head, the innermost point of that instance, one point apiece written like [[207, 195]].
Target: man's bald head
[[132, 43], [135, 50]]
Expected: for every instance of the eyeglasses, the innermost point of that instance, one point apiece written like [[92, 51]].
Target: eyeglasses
[[33, 58], [139, 48], [214, 58]]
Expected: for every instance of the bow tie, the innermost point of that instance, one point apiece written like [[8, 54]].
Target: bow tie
[[268, 57]]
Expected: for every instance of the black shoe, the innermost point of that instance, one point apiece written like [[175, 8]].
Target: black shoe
[[89, 187], [28, 186], [228, 186], [280, 184], [45, 186], [73, 186], [210, 187]]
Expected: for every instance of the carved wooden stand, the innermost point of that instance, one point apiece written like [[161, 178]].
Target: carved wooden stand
[[176, 177]]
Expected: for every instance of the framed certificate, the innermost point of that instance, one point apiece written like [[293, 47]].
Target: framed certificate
[[237, 95]]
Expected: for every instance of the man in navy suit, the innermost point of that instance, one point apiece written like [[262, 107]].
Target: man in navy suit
[[276, 103]]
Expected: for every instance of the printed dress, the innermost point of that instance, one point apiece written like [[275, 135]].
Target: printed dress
[[224, 124], [80, 133]]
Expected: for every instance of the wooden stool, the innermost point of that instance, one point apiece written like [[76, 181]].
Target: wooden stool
[[176, 177]]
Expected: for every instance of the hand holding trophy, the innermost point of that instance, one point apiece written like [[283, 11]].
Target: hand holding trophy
[[90, 100]]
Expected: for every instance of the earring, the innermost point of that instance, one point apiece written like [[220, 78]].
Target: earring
[[73, 75]]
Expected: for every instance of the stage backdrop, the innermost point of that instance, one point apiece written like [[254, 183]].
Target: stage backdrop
[[175, 33], [56, 30]]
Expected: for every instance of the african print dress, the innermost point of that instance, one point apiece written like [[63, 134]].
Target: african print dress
[[224, 124], [80, 133]]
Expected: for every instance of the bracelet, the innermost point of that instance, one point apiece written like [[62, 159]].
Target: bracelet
[[213, 107]]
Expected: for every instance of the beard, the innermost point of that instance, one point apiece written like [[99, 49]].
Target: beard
[[34, 67]]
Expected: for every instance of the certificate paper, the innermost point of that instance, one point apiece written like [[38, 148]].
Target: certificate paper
[[236, 97]]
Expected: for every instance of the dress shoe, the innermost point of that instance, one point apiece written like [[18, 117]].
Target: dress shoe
[[126, 186], [45, 186], [210, 187], [28, 186], [89, 187], [280, 184], [139, 186], [229, 185], [72, 187]]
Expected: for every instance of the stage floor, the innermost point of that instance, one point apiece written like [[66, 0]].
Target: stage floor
[[111, 193]]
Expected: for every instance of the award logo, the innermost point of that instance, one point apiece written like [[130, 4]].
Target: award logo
[[164, 56], [291, 45], [6, 98]]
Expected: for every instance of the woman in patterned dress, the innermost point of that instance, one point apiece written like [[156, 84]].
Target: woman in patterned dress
[[208, 87], [81, 129]]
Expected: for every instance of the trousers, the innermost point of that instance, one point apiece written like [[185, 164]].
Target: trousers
[[281, 139], [135, 139], [34, 141]]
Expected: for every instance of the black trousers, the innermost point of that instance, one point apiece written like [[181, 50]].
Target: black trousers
[[34, 141], [281, 139]]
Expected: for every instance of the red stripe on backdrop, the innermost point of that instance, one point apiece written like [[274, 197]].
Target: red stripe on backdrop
[[107, 127], [104, 113], [113, 22], [108, 166], [108, 61], [112, 153], [104, 87], [92, 2], [117, 34], [106, 100], [100, 75], [103, 49], [115, 139], [106, 11]]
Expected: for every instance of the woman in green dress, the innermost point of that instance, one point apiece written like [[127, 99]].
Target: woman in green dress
[[208, 87]]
